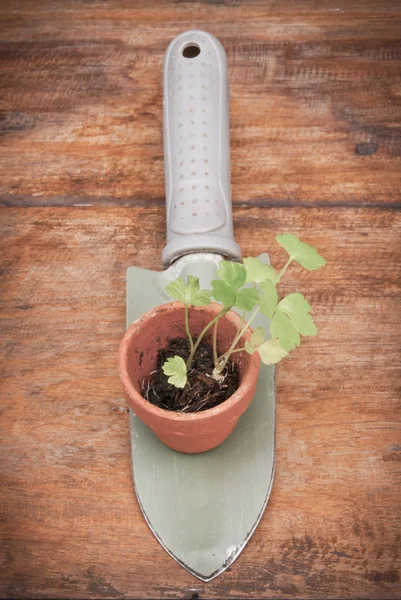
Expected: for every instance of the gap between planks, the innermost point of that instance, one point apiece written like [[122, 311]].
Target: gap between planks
[[75, 202]]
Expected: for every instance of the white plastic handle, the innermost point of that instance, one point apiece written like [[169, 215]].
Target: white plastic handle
[[197, 148]]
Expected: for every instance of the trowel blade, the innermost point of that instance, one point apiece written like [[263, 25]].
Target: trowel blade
[[202, 508]]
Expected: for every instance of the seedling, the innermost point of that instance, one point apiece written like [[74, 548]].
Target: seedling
[[250, 286]]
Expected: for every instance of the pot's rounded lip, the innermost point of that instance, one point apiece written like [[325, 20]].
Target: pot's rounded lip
[[161, 413]]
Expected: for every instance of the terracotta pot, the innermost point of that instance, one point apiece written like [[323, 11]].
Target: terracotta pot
[[196, 432]]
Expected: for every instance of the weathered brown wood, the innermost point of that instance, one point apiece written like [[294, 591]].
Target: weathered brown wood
[[315, 111], [315, 121], [70, 525]]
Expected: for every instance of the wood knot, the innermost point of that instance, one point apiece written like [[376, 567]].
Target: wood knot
[[366, 148]]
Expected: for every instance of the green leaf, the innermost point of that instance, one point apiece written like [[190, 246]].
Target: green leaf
[[192, 285], [233, 274], [257, 338], [223, 293], [268, 299], [201, 298], [256, 271], [272, 274], [249, 348], [283, 329], [246, 299], [176, 289], [304, 254], [176, 370], [194, 295], [188, 293], [271, 352], [297, 308]]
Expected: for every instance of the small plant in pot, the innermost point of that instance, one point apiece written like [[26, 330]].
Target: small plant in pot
[[189, 368]]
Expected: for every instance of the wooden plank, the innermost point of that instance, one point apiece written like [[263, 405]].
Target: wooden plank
[[70, 523], [315, 110]]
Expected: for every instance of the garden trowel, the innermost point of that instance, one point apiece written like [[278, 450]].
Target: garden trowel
[[202, 508]]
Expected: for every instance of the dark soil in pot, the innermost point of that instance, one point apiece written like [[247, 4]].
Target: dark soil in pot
[[201, 392]]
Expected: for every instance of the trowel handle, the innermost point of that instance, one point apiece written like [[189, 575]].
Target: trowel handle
[[197, 148]]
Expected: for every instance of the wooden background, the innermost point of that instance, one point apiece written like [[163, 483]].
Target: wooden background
[[316, 150]]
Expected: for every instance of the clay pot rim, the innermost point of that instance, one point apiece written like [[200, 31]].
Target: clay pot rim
[[162, 413]]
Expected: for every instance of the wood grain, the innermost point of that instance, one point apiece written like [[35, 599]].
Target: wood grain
[[70, 524], [315, 110], [315, 136]]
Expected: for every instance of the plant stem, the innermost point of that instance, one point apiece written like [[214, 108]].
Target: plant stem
[[245, 327], [191, 342], [215, 343], [223, 311], [232, 352], [222, 363], [283, 270]]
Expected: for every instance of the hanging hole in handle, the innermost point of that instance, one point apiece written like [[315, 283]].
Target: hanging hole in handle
[[191, 51]]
